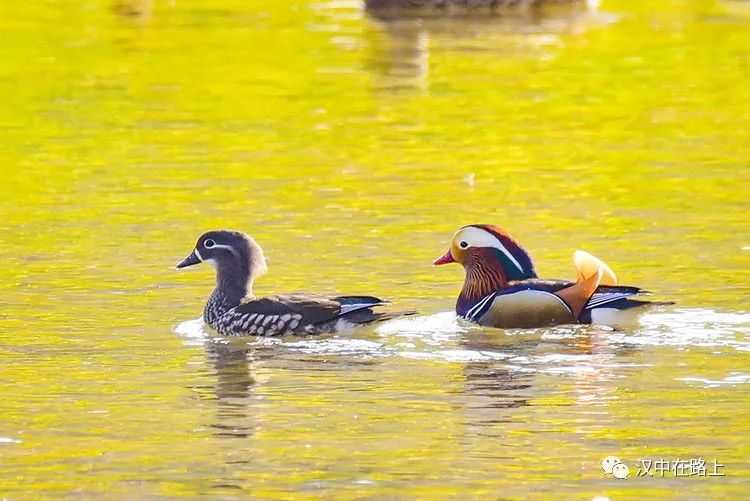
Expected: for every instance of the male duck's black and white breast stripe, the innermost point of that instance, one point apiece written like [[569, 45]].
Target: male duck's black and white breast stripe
[[291, 314]]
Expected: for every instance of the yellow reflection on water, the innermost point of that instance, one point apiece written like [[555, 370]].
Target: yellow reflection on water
[[351, 147]]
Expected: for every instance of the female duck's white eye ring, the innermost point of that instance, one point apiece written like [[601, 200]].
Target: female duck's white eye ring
[[463, 244], [209, 243]]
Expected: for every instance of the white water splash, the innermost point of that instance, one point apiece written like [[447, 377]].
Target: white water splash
[[430, 329], [194, 332], [337, 346], [733, 379], [689, 328], [444, 337], [456, 355]]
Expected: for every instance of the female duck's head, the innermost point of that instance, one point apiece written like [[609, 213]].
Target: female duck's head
[[488, 253], [237, 257]]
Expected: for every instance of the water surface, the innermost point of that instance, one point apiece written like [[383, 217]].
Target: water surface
[[351, 147]]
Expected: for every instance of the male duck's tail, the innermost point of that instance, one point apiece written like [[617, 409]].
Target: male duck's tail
[[596, 298], [591, 272], [588, 265]]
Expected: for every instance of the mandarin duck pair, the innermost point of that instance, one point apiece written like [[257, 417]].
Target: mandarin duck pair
[[501, 289]]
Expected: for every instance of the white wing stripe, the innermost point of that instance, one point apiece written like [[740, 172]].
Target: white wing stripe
[[606, 297], [474, 309], [348, 308], [479, 306]]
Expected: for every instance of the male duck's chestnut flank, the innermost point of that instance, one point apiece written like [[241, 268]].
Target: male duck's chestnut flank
[[233, 310], [501, 288]]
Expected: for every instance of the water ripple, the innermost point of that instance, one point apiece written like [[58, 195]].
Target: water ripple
[[557, 350], [690, 328], [734, 378]]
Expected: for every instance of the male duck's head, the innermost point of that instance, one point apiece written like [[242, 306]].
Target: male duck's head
[[486, 250], [237, 257]]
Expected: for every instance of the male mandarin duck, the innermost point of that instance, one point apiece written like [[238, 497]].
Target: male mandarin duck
[[501, 288], [232, 310]]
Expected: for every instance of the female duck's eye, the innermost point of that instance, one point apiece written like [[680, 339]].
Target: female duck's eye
[[209, 243], [463, 244]]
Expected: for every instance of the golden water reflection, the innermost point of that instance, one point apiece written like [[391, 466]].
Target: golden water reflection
[[351, 148]]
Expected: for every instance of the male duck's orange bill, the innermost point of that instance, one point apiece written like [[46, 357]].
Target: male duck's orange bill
[[444, 259]]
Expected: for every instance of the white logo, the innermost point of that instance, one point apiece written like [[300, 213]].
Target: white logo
[[621, 471], [613, 466], [608, 463]]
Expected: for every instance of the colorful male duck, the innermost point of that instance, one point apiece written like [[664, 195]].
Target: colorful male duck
[[501, 288], [233, 310]]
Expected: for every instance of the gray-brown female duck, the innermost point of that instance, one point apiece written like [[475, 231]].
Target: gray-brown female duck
[[233, 310]]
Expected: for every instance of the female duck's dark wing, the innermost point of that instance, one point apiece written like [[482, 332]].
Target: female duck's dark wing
[[276, 315]]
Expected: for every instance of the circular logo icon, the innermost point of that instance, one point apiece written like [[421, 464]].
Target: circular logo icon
[[620, 470], [609, 462]]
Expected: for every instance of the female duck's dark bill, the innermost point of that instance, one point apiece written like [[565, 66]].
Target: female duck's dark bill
[[193, 258]]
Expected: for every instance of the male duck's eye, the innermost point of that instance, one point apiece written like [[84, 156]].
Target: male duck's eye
[[209, 243], [463, 245]]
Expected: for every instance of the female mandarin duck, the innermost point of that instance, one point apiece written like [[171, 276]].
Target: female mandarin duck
[[501, 288], [233, 310]]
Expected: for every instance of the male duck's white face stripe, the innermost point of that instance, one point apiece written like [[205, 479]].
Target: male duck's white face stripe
[[477, 237], [198, 255]]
